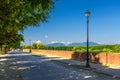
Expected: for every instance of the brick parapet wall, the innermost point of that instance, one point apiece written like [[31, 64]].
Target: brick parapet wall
[[103, 58]]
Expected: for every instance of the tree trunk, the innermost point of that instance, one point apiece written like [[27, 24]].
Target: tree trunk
[[5, 50], [1, 49]]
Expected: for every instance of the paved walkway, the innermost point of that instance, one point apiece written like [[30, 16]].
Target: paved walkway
[[8, 73], [94, 67], [8, 68]]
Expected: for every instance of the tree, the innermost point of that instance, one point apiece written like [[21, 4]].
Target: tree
[[116, 48], [16, 15], [34, 46], [37, 46], [78, 49], [20, 13]]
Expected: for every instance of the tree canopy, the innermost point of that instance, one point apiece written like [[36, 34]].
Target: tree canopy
[[16, 15], [20, 13]]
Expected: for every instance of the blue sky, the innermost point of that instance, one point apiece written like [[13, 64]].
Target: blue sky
[[67, 23]]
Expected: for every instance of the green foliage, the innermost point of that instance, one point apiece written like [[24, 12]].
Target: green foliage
[[34, 46], [95, 49], [37, 46], [16, 15], [116, 48], [66, 48], [20, 13], [101, 48], [78, 49], [25, 47], [107, 50]]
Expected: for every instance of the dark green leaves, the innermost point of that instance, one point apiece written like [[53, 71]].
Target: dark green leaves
[[16, 15]]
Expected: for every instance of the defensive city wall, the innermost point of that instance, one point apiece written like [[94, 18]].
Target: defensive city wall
[[102, 58]]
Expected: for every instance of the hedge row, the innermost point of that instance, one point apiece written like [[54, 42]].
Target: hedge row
[[99, 48]]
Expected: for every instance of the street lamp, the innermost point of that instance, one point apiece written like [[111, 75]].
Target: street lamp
[[30, 47], [87, 14]]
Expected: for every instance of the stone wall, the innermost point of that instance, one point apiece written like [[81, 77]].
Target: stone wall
[[103, 58]]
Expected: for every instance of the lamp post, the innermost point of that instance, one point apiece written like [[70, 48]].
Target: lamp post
[[87, 14], [30, 47]]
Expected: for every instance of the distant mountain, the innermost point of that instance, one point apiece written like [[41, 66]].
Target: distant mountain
[[83, 44], [56, 44], [73, 44]]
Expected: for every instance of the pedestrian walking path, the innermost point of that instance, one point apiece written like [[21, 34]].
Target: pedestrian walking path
[[95, 67], [98, 68], [8, 68]]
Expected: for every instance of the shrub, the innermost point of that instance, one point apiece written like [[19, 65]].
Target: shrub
[[116, 48], [96, 49], [78, 49], [107, 50]]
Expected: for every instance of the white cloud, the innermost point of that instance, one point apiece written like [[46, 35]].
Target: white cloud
[[66, 43], [54, 41], [38, 41]]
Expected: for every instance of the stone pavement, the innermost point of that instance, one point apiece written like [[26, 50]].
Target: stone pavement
[[8, 68], [97, 68]]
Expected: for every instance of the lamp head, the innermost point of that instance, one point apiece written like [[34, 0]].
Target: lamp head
[[87, 13]]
